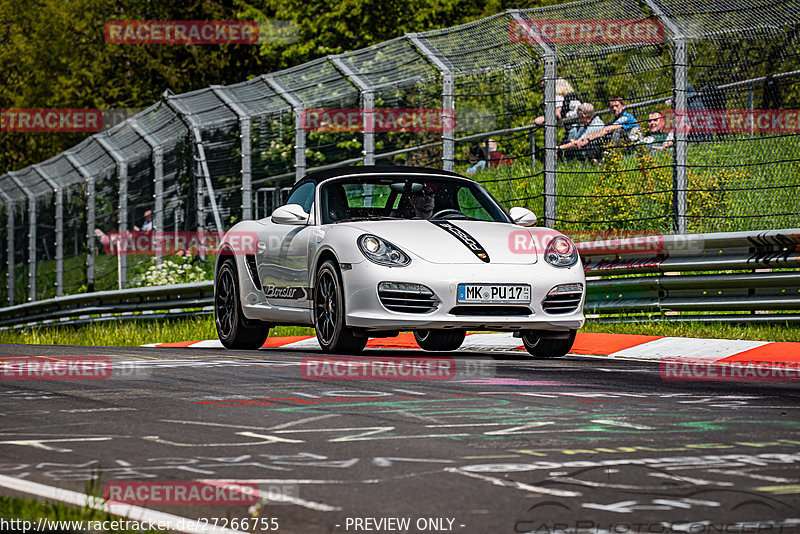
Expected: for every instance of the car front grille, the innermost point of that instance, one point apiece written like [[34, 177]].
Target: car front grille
[[562, 303], [407, 298], [496, 311]]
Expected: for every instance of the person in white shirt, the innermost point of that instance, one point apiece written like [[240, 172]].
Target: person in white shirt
[[588, 124]]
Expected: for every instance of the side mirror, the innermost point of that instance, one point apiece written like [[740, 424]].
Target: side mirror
[[290, 214], [522, 216]]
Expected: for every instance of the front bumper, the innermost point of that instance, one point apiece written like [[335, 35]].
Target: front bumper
[[364, 309]]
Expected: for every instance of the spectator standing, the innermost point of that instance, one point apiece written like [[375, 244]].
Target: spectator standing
[[567, 102]]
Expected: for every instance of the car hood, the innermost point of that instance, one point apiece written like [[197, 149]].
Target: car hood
[[458, 240]]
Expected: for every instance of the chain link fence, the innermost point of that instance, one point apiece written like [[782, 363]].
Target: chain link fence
[[695, 106]]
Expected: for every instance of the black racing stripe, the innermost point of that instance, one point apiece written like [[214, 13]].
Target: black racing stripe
[[462, 235]]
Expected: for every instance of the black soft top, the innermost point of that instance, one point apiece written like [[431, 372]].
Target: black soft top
[[319, 176]]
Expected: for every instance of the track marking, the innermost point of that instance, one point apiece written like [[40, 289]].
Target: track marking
[[514, 484], [40, 443], [266, 498], [135, 513]]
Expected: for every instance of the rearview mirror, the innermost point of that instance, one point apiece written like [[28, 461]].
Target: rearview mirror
[[290, 214], [522, 216]]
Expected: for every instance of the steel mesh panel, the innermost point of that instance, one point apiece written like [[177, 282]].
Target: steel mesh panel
[[177, 184], [481, 45], [11, 190], [74, 198], [205, 107], [744, 175], [61, 171], [222, 148], [730, 16], [93, 158], [106, 201], [424, 96], [128, 142], [272, 147], [317, 82], [390, 63], [45, 247], [163, 125], [3, 254], [33, 183], [21, 252], [257, 98]]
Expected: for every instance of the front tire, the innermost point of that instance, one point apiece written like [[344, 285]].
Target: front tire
[[332, 333], [233, 329], [439, 340], [539, 347]]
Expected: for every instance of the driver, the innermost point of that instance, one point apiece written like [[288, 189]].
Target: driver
[[423, 201]]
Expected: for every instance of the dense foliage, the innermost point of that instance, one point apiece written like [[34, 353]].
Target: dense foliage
[[53, 53]]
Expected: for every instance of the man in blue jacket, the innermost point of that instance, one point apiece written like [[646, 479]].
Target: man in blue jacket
[[624, 129]]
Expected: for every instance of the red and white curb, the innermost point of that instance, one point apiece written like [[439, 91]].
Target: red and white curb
[[621, 346]]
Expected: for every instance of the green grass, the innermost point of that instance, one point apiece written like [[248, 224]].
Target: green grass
[[136, 333], [130, 333], [28, 509], [757, 332]]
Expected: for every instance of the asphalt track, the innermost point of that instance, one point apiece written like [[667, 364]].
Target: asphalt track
[[506, 444]]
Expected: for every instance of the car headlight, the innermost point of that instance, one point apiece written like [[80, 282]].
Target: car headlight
[[382, 252], [561, 252]]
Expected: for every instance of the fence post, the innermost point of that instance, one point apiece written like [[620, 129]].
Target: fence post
[[31, 236], [158, 178], [679, 174], [299, 126], [446, 69], [367, 107], [679, 170], [244, 132], [122, 175], [90, 218], [59, 194], [550, 125]]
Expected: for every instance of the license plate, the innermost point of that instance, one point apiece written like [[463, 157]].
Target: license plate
[[494, 293]]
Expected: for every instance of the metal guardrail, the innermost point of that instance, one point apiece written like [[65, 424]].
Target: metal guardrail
[[122, 304], [632, 278], [691, 273]]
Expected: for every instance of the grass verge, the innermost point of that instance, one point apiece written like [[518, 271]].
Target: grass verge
[[136, 333], [21, 512]]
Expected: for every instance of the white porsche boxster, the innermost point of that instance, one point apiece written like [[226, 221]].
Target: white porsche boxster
[[360, 252]]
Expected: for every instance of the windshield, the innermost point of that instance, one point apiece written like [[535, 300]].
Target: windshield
[[407, 197]]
